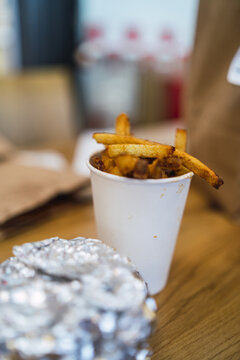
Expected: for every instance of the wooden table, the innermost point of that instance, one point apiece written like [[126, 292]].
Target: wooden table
[[198, 314]]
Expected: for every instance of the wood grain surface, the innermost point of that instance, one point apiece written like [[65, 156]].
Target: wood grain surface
[[198, 315]]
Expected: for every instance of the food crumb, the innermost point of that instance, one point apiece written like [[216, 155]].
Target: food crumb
[[180, 188]]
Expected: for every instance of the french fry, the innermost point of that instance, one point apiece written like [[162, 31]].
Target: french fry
[[127, 155], [126, 163], [181, 139], [97, 162], [181, 144], [122, 125], [141, 169], [115, 171], [171, 163], [146, 151], [182, 171], [155, 170], [199, 168], [158, 168], [107, 161], [111, 139]]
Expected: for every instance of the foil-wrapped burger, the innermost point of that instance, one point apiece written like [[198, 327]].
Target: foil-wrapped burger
[[73, 300]]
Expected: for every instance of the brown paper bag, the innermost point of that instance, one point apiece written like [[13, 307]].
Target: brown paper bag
[[25, 192], [24, 188], [213, 104]]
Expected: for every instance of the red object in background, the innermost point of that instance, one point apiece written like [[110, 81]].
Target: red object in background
[[131, 46], [132, 33], [171, 71], [113, 56], [96, 119], [93, 32], [174, 89], [167, 35]]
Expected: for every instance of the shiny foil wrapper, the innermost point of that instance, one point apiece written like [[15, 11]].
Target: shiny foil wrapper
[[73, 300]]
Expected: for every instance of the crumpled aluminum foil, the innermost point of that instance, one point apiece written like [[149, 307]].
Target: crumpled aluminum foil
[[73, 300]]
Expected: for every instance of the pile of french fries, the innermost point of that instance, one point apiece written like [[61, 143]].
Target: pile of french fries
[[127, 155]]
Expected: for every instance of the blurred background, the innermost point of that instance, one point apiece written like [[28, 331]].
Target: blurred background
[[68, 65]]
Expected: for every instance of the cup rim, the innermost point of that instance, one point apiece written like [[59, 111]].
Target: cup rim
[[126, 180]]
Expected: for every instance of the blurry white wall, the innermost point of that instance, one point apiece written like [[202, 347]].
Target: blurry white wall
[[150, 16]]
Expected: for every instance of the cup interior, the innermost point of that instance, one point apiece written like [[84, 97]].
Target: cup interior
[[131, 180]]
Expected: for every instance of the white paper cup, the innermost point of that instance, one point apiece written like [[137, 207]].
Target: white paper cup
[[141, 219]]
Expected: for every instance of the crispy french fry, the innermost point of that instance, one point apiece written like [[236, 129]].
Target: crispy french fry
[[141, 169], [199, 168], [128, 155], [171, 163], [115, 171], [155, 170], [181, 144], [181, 139], [122, 125], [110, 139], [182, 171], [97, 162], [146, 151], [126, 163], [107, 161]]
